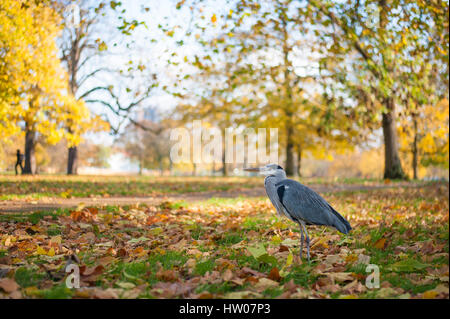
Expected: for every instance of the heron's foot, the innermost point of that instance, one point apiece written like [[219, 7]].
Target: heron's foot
[[308, 257]]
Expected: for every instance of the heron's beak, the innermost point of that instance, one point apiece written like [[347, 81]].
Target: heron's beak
[[252, 169]]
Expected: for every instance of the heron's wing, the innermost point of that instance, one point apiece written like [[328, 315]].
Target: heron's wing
[[271, 191], [305, 204]]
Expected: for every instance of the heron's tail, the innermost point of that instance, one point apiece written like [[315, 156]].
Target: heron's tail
[[341, 223]]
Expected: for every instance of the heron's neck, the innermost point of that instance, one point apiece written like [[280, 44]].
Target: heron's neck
[[277, 177]]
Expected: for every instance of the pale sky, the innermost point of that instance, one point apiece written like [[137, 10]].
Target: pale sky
[[147, 45], [152, 47]]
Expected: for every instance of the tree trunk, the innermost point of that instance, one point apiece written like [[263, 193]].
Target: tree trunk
[[414, 150], [414, 163], [289, 152], [141, 165], [72, 161], [392, 165], [299, 160], [289, 103], [30, 146], [224, 164]]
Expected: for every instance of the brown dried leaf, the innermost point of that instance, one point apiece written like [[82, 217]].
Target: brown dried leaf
[[380, 243], [227, 275], [8, 285], [274, 274], [167, 275], [264, 283], [105, 294]]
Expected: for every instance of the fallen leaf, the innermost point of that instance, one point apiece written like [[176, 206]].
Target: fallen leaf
[[288, 242], [237, 281], [257, 251], [354, 287], [125, 285], [8, 285], [290, 286], [104, 261], [88, 271], [274, 274], [333, 259], [205, 295], [380, 243], [431, 294], [227, 275], [105, 294], [156, 231], [167, 275], [340, 276], [242, 295], [264, 283], [248, 271], [40, 251], [407, 265]]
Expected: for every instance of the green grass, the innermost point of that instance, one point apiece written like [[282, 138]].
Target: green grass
[[253, 223], [61, 186], [202, 268], [35, 196], [56, 292], [216, 288], [301, 275], [54, 230], [249, 261], [27, 277], [406, 284], [272, 292], [34, 217], [230, 239], [137, 272]]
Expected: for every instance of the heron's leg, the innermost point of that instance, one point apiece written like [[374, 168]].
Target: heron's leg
[[301, 240], [307, 240]]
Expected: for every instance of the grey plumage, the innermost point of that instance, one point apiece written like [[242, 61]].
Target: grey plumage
[[303, 203], [299, 203]]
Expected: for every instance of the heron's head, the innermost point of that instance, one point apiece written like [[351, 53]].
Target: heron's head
[[269, 169]]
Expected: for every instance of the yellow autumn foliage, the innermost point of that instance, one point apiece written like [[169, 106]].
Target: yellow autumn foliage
[[33, 83], [432, 133]]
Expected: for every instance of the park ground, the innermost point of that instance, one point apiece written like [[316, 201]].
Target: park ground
[[203, 237]]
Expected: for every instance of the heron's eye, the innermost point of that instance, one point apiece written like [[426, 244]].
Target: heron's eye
[[279, 167]]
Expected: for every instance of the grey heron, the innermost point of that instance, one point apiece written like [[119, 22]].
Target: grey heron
[[299, 203]]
